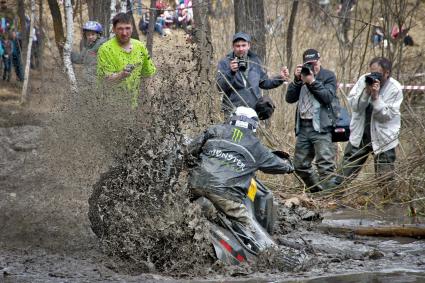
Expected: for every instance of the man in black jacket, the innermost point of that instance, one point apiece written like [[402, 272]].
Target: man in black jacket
[[240, 75], [314, 88], [228, 155]]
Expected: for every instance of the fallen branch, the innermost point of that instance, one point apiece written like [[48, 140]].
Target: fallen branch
[[411, 231]]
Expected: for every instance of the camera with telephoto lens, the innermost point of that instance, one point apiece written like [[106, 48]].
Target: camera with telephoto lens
[[372, 78], [242, 63], [307, 69]]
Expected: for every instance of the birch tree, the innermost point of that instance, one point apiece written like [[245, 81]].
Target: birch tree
[[28, 59], [112, 14], [68, 46]]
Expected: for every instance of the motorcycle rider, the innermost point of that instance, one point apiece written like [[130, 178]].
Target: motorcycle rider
[[228, 155], [89, 45]]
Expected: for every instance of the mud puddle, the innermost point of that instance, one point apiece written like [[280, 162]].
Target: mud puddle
[[390, 216]]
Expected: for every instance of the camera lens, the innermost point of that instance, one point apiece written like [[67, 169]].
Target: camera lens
[[242, 64], [307, 69]]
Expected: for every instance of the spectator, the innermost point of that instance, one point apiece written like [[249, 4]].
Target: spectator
[[122, 61], [90, 44], [408, 40], [313, 91], [184, 17], [7, 56], [375, 123], [169, 17], [241, 83], [159, 24], [35, 49], [16, 57], [377, 35]]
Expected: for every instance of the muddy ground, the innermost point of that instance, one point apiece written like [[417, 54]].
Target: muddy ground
[[45, 233], [53, 153]]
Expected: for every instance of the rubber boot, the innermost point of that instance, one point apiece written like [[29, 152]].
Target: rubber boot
[[331, 183], [312, 183]]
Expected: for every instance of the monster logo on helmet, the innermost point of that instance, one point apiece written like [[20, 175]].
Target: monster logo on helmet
[[93, 26]]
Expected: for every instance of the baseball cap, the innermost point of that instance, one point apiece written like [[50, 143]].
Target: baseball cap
[[311, 55], [241, 35]]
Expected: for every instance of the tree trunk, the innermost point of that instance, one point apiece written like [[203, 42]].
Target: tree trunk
[[203, 52], [99, 10], [151, 28], [290, 34], [68, 46], [57, 25], [24, 33], [28, 55], [202, 37], [130, 8], [249, 18]]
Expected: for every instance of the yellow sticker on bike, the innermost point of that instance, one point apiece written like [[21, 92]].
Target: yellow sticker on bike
[[252, 191]]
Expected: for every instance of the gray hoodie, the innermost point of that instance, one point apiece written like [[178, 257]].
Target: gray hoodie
[[88, 57]]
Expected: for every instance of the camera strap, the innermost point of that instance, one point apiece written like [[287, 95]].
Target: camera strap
[[247, 83]]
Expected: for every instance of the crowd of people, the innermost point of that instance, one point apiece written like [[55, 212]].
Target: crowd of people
[[10, 49], [168, 17], [11, 44], [374, 101]]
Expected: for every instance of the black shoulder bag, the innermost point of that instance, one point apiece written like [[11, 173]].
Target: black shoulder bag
[[341, 122]]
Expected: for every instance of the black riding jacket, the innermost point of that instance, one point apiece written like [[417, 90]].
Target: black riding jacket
[[228, 157]]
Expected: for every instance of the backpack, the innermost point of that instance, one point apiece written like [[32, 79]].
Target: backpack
[[264, 107], [341, 121]]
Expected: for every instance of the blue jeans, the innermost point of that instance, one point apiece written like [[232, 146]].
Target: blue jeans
[[158, 28], [16, 61]]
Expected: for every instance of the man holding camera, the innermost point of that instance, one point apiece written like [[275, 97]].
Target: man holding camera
[[313, 88], [240, 76], [375, 102], [122, 60]]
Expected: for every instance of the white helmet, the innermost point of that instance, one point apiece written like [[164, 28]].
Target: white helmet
[[245, 117]]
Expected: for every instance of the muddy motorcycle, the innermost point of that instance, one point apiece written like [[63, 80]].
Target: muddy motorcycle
[[234, 243]]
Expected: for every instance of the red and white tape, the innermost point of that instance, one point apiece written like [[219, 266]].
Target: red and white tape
[[411, 87]]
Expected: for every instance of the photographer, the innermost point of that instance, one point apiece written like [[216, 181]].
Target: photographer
[[375, 102], [314, 88], [240, 75]]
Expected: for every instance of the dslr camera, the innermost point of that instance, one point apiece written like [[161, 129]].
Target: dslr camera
[[307, 69], [242, 63], [372, 78]]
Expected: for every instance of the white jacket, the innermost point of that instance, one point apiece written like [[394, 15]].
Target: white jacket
[[385, 121]]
